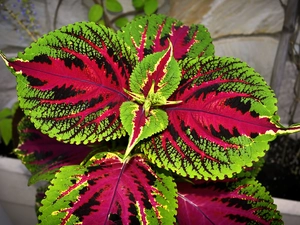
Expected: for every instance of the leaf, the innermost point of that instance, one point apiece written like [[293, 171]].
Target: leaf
[[150, 6], [151, 83], [109, 191], [6, 130], [159, 69], [71, 82], [151, 34], [43, 156], [113, 6], [6, 125], [242, 202], [14, 108], [224, 123], [138, 4], [140, 126], [5, 113], [122, 21], [95, 13]]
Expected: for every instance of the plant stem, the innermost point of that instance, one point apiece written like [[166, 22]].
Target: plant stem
[[291, 13], [13, 15]]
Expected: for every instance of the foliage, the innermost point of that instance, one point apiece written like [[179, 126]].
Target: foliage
[[102, 10], [144, 125], [6, 118]]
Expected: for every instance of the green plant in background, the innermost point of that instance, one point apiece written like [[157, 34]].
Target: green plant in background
[[6, 119], [98, 12]]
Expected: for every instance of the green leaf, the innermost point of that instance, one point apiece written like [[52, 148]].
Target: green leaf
[[6, 130], [120, 22], [6, 125], [14, 108], [4, 113], [138, 4], [150, 6], [113, 6], [101, 22], [95, 13]]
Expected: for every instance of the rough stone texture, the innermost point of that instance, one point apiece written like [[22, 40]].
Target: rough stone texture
[[230, 17]]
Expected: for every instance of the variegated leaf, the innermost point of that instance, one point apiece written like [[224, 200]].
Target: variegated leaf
[[151, 83], [43, 156], [225, 121], [158, 71], [108, 191], [71, 82], [241, 202], [139, 125], [151, 34]]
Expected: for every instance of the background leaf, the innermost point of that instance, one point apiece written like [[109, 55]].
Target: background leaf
[[43, 156], [225, 121], [109, 191], [152, 34], [113, 6], [6, 130], [71, 82], [122, 21], [241, 202], [6, 115], [95, 13], [150, 6], [138, 4]]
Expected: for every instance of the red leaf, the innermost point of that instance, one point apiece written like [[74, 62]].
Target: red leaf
[[43, 156], [224, 122], [151, 35], [110, 192], [71, 82], [240, 202]]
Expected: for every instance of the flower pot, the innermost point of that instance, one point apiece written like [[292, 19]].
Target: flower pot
[[17, 199]]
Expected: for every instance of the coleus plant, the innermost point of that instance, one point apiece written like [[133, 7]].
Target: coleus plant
[[144, 126]]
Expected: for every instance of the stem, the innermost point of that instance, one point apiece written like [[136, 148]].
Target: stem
[[56, 13], [130, 13], [291, 13], [13, 15], [296, 60], [105, 16]]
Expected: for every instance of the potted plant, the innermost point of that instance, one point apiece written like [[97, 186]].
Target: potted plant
[[144, 125]]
